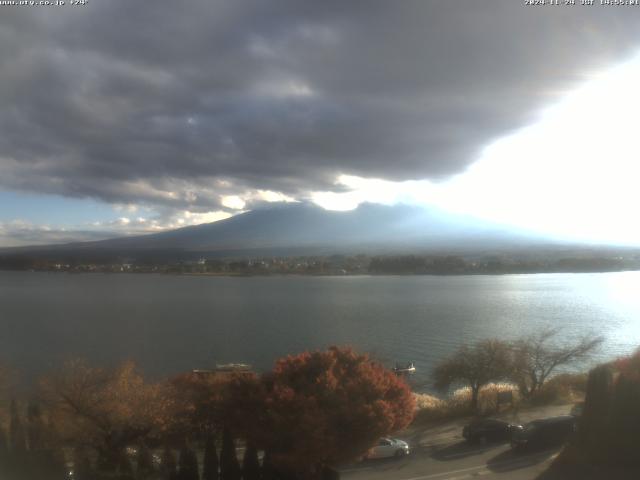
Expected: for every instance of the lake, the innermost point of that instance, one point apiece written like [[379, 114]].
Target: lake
[[170, 324]]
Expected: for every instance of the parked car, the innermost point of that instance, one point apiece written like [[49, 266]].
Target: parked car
[[544, 433], [487, 430], [388, 447]]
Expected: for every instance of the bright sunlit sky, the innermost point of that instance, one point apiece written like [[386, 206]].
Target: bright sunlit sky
[[118, 119], [573, 173]]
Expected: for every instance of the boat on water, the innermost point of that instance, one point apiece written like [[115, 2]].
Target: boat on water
[[404, 369], [223, 369], [233, 367]]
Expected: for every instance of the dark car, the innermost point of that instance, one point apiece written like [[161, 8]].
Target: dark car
[[487, 430], [544, 433]]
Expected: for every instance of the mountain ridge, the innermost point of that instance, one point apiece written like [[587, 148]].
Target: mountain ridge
[[306, 227]]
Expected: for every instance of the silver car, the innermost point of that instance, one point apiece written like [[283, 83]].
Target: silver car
[[388, 447]]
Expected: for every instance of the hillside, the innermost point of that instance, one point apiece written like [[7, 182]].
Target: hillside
[[306, 229]]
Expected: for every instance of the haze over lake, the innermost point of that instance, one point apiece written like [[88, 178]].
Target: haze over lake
[[170, 324]]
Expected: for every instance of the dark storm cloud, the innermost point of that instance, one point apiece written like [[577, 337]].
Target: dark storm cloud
[[176, 103]]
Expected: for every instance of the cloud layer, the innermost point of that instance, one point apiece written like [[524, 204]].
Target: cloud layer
[[214, 106]]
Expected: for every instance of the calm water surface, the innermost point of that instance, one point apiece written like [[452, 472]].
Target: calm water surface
[[173, 323]]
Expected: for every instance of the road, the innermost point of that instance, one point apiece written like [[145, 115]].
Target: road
[[455, 461], [439, 453]]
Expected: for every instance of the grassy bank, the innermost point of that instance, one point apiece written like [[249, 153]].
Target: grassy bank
[[559, 390]]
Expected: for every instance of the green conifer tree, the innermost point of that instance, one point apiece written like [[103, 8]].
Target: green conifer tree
[[168, 465], [188, 464], [210, 470], [144, 463], [250, 464], [229, 465]]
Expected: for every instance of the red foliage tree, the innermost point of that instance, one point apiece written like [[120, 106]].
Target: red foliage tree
[[198, 405], [629, 367], [320, 408], [195, 404]]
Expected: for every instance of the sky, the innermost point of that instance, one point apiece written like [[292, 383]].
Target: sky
[[122, 117]]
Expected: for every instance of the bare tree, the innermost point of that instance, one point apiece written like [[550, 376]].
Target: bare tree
[[536, 357], [475, 366], [104, 409]]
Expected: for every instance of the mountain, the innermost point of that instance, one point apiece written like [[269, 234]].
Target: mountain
[[306, 229]]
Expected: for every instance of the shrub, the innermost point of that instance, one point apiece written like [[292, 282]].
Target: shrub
[[431, 408], [425, 401], [561, 389], [487, 399]]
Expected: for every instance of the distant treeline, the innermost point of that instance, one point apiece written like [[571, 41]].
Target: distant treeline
[[456, 265], [530, 262]]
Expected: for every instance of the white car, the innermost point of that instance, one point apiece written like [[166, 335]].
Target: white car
[[388, 447]]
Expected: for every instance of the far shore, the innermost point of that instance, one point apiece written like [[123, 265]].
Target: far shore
[[330, 274]]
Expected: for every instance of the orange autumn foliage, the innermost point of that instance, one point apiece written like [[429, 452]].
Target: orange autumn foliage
[[321, 408], [198, 403], [106, 409]]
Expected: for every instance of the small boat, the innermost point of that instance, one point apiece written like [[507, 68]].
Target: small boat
[[233, 367], [404, 369], [222, 369]]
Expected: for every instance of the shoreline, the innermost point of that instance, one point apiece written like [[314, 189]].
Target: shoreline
[[332, 274]]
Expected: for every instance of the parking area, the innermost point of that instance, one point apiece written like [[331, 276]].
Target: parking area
[[439, 452]]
